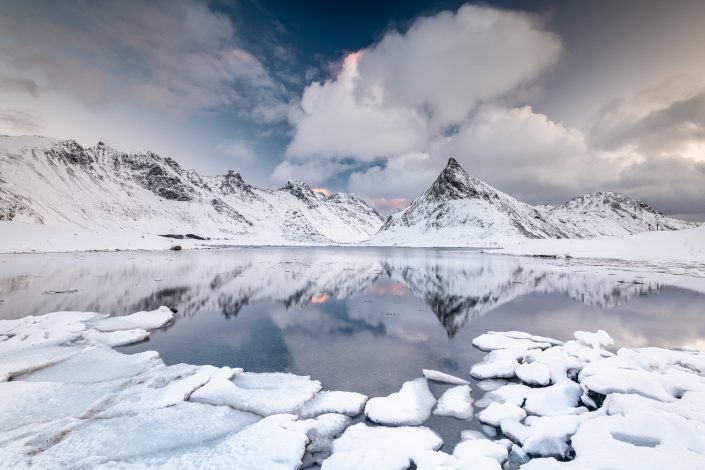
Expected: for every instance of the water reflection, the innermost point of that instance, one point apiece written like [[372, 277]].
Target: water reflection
[[456, 287], [357, 319]]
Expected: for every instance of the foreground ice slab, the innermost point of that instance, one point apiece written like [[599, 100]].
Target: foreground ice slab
[[455, 402], [346, 403], [265, 394], [363, 446], [410, 406], [68, 400]]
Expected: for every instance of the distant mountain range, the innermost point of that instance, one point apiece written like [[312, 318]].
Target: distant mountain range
[[459, 209], [59, 183]]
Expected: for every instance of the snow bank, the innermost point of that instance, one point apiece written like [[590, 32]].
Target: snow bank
[[686, 246]]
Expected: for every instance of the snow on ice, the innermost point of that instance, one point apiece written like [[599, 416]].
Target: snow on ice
[[68, 399], [409, 406]]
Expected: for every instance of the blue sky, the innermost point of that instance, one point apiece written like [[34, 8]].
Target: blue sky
[[544, 100]]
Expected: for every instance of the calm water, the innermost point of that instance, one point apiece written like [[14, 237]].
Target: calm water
[[359, 319]]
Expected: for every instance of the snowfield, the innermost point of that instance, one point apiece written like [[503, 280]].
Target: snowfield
[[68, 400], [687, 246]]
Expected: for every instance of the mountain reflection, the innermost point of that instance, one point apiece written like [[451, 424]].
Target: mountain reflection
[[456, 286]]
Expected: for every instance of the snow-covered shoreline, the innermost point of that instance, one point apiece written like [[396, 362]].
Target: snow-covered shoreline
[[680, 246], [69, 400]]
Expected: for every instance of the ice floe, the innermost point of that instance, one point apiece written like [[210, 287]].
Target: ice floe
[[455, 402], [145, 320], [409, 406], [363, 446], [345, 403], [68, 400], [472, 454], [265, 393], [445, 378]]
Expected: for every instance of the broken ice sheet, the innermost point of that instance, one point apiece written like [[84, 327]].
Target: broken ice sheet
[[363, 446], [409, 406], [455, 402]]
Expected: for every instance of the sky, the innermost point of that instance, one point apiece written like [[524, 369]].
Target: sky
[[543, 100]]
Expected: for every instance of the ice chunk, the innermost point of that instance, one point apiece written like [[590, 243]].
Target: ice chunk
[[158, 387], [147, 320], [24, 361], [496, 413], [491, 384], [455, 402], [264, 393], [471, 454], [266, 444], [512, 340], [633, 442], [545, 436], [320, 431], [476, 449], [430, 460], [471, 434], [30, 403], [116, 338], [595, 340], [96, 364], [410, 406], [504, 368], [130, 437], [533, 373], [346, 403], [363, 446], [443, 377]]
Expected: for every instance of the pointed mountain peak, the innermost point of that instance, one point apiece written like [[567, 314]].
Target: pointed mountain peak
[[453, 163], [456, 183], [233, 175]]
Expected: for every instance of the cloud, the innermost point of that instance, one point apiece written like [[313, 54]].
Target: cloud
[[458, 84], [240, 151], [23, 85], [404, 92], [386, 205], [667, 118], [310, 172], [177, 56], [403, 176], [19, 122]]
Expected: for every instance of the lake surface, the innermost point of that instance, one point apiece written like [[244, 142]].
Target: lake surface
[[357, 319]]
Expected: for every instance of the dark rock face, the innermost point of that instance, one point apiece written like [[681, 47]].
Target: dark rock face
[[69, 152], [161, 176], [233, 184], [164, 185], [12, 206], [223, 208], [302, 192]]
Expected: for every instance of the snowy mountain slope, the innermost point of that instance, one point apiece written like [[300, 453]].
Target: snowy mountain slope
[[460, 210], [611, 214], [61, 184]]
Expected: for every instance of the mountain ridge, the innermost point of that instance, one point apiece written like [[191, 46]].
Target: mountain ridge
[[460, 209], [60, 183]]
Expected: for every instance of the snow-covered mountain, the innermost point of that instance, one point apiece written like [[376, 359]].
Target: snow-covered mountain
[[460, 207], [460, 210], [61, 184], [611, 214]]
